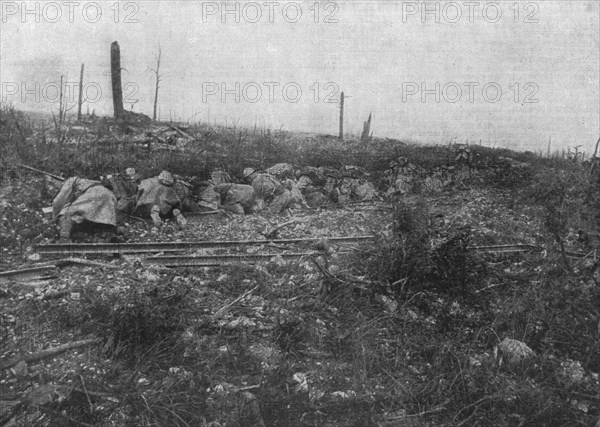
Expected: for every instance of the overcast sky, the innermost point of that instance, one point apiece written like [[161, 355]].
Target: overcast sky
[[507, 73]]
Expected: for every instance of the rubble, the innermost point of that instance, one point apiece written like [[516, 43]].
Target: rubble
[[281, 171]]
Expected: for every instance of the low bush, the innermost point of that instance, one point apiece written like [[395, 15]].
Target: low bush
[[422, 254]]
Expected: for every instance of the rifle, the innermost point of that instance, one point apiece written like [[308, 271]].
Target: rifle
[[59, 178]]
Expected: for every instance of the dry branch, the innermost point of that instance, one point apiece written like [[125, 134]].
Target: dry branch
[[181, 133], [80, 261], [226, 306], [59, 178], [48, 352], [271, 232]]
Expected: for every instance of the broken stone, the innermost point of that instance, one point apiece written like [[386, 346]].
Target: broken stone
[[43, 395], [315, 175], [281, 171], [301, 381], [515, 351]]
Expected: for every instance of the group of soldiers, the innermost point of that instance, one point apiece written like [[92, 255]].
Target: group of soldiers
[[83, 201], [275, 190]]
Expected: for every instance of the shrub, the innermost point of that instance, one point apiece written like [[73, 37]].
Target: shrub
[[420, 255]]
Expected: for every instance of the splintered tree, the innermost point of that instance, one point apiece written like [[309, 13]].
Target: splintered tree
[[341, 136], [156, 72], [117, 90], [80, 94], [366, 133]]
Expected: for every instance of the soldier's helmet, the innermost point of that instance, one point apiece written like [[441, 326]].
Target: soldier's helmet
[[165, 178], [248, 174]]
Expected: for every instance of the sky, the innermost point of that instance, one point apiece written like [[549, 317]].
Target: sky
[[506, 73]]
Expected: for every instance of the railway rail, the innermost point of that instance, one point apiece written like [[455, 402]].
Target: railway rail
[[171, 254], [157, 247], [27, 274]]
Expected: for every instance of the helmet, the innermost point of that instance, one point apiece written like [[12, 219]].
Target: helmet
[[248, 173], [166, 178]]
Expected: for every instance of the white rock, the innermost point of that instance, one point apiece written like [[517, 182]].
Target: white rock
[[301, 382], [515, 351]]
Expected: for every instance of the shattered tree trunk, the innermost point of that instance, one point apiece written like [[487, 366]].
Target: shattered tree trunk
[[341, 136], [117, 90], [80, 94], [157, 71], [366, 133]]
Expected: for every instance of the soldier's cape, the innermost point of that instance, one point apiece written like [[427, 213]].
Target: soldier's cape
[[83, 199]]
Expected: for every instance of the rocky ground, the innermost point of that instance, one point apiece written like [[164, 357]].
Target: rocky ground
[[411, 329]]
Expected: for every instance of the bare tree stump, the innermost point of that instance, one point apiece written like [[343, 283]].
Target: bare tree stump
[[117, 90]]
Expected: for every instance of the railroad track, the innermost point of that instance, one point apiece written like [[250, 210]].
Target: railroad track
[[157, 247], [175, 258]]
